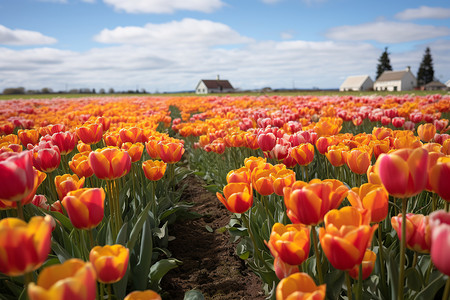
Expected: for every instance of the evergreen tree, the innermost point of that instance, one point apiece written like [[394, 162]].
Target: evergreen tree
[[425, 73], [384, 64]]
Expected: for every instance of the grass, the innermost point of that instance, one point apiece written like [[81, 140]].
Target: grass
[[282, 93]]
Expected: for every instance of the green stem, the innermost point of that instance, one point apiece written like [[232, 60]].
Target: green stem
[[446, 295], [401, 282], [380, 255], [316, 253], [268, 212], [447, 206], [112, 214], [360, 283], [117, 203], [20, 210], [349, 286], [252, 237], [109, 291], [91, 238], [415, 259]]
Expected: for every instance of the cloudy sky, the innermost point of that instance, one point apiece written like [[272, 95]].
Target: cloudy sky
[[169, 45]]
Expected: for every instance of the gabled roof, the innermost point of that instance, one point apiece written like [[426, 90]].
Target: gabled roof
[[435, 84], [217, 84], [391, 75], [355, 81]]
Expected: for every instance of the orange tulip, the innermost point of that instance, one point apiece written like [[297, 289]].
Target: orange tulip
[[262, 180], [24, 247], [110, 163], [170, 152], [238, 197], [380, 133], [85, 207], [252, 162], [154, 169], [74, 279], [426, 132], [239, 175], [90, 133], [151, 147], [132, 135], [368, 263], [403, 172], [336, 154], [323, 143], [290, 242], [308, 203], [110, 262], [30, 136], [143, 295], [358, 160], [82, 147], [372, 197], [303, 154], [67, 183], [134, 150], [282, 269], [282, 179], [418, 232], [299, 286], [80, 165], [345, 237]]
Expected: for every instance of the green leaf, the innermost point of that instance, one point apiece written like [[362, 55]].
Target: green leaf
[[122, 236], [334, 280], [138, 227], [60, 252], [141, 271], [193, 295], [430, 290], [209, 228], [414, 279], [159, 269], [120, 287], [64, 221], [213, 188]]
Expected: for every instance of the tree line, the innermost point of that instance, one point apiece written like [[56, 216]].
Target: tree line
[[425, 73]]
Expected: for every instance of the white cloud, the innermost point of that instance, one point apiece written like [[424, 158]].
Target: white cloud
[[190, 32], [387, 32], [20, 37], [287, 35], [165, 6], [424, 12]]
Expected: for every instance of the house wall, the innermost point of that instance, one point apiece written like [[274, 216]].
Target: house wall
[[367, 85], [201, 88], [394, 85], [409, 82]]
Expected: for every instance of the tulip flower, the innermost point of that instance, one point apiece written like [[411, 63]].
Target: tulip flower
[[299, 286], [90, 133], [438, 178], [80, 165], [372, 197], [143, 295], [154, 169], [238, 197], [267, 141], [85, 207], [346, 236], [151, 148], [336, 154], [368, 263], [17, 178], [398, 122], [30, 136], [46, 159], [73, 279], [170, 152], [82, 147], [308, 204], [303, 154], [380, 133], [440, 240], [290, 242], [132, 135], [252, 162], [358, 160], [323, 143], [282, 179], [239, 175], [403, 172], [110, 262], [24, 246], [426, 131], [282, 269], [110, 163], [66, 141], [133, 150], [262, 180], [51, 129], [67, 183], [418, 232]]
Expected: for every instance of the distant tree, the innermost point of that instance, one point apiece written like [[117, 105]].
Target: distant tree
[[101, 91], [425, 73], [14, 91], [384, 64], [46, 90], [93, 91], [111, 91]]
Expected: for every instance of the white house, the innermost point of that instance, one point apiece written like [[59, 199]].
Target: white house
[[448, 84], [207, 86], [357, 83], [396, 81]]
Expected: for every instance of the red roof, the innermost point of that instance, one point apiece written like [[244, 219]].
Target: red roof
[[217, 84]]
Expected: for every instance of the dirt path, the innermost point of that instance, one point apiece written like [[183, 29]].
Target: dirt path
[[209, 261]]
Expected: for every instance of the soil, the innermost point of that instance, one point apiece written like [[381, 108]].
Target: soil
[[210, 264]]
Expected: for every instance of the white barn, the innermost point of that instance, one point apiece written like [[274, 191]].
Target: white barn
[[357, 83], [207, 86], [396, 81]]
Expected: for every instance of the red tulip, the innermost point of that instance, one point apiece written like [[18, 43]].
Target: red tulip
[[440, 240], [17, 177], [110, 163], [85, 207]]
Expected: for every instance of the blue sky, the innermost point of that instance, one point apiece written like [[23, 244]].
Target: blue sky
[[169, 45]]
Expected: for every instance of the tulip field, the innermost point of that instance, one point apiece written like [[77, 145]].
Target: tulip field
[[329, 197]]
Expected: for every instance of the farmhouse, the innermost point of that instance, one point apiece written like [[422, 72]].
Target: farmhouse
[[357, 83], [396, 81], [207, 86], [434, 86]]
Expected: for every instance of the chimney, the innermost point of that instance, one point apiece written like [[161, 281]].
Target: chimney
[[218, 77], [408, 69]]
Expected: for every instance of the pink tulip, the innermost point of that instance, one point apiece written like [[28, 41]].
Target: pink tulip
[[440, 240]]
